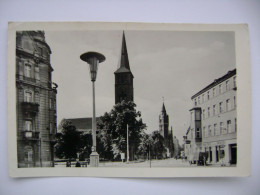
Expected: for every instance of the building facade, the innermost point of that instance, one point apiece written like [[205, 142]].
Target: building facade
[[124, 89], [213, 126], [36, 100]]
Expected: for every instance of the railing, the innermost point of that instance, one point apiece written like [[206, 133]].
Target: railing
[[29, 79], [198, 139], [31, 135], [30, 107], [25, 78]]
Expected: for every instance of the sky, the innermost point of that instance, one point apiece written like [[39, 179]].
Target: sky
[[170, 64]]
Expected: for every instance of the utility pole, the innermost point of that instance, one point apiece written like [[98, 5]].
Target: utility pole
[[150, 155], [127, 147]]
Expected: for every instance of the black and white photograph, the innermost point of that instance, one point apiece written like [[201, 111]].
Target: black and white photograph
[[102, 98]]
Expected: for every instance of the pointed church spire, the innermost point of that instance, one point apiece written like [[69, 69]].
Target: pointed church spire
[[123, 62], [163, 107]]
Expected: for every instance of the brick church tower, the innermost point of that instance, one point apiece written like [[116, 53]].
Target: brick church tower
[[124, 89], [164, 131], [164, 123]]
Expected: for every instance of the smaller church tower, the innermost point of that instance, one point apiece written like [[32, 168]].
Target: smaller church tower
[[164, 123], [124, 89]]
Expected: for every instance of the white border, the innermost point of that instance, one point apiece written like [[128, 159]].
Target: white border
[[243, 93]]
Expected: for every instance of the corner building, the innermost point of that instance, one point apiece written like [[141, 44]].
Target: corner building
[[36, 101], [214, 120]]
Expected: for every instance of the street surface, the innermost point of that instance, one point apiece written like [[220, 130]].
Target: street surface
[[171, 162]]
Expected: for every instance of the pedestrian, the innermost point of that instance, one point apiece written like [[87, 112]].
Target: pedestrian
[[78, 164], [68, 164]]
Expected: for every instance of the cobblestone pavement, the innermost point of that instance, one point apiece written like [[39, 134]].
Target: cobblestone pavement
[[154, 163]]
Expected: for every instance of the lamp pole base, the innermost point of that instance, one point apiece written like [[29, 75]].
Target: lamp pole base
[[94, 159]]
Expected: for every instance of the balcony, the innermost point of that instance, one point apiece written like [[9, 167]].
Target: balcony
[[31, 135], [30, 107], [198, 139], [25, 78]]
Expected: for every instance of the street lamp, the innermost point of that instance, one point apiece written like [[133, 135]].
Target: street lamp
[[93, 59]]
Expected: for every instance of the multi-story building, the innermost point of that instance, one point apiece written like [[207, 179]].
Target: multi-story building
[[36, 100], [213, 126]]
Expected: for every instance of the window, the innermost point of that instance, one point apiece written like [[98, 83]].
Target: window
[[203, 113], [203, 98], [213, 92], [228, 105], [215, 129], [221, 127], [235, 124], [51, 128], [28, 125], [195, 102], [28, 154], [206, 132], [199, 100], [227, 85], [214, 110], [191, 115], [234, 82], [40, 51], [197, 115], [235, 102], [50, 106], [220, 107], [208, 111], [224, 130], [229, 127], [220, 89], [27, 70], [198, 132], [208, 95], [28, 96], [209, 130]]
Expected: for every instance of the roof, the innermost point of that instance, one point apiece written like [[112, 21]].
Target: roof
[[163, 108], [124, 62], [122, 69], [82, 124], [216, 82]]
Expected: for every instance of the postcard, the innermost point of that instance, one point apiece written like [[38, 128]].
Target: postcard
[[128, 99]]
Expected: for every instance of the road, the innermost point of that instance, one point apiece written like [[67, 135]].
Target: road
[[154, 163]]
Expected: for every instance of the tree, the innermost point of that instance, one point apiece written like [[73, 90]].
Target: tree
[[145, 144], [68, 141], [158, 147], [113, 129]]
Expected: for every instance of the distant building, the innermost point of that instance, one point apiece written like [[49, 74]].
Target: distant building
[[36, 100], [82, 124], [213, 126], [124, 89], [176, 147], [164, 131]]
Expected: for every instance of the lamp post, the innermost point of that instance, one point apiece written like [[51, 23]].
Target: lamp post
[[93, 59]]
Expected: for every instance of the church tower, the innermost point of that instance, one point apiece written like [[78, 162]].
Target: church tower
[[123, 77], [164, 123]]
